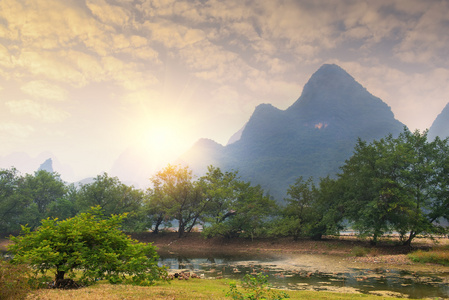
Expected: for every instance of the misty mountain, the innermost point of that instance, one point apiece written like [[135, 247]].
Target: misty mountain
[[46, 166], [313, 137], [27, 164], [440, 127]]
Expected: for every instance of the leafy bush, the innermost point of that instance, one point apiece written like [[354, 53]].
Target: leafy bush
[[88, 243], [14, 281], [256, 287], [440, 256]]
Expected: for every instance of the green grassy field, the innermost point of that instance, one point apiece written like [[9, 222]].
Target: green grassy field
[[178, 289]]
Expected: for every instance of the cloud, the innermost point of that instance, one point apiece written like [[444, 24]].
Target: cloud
[[44, 90], [39, 111], [109, 13], [426, 41], [16, 130]]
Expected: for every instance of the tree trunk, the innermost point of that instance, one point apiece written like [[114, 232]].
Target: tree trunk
[[408, 242], [181, 229], [156, 226], [59, 275]]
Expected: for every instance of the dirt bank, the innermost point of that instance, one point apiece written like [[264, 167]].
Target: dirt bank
[[344, 250], [387, 252], [329, 245]]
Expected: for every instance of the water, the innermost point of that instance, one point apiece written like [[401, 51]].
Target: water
[[315, 272]]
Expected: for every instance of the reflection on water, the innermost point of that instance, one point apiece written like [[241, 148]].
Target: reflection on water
[[305, 274]]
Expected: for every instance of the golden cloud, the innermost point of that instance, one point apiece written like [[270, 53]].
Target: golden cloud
[[39, 111], [44, 90]]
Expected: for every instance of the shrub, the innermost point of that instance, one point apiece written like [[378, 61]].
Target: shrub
[[88, 243], [14, 281]]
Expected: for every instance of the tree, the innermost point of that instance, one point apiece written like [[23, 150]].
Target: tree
[[88, 243], [425, 182], [64, 208], [40, 191], [311, 211], [246, 214], [397, 184], [299, 214], [177, 197], [114, 197], [11, 206], [371, 191], [219, 191]]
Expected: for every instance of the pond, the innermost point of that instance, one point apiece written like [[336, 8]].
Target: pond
[[315, 272]]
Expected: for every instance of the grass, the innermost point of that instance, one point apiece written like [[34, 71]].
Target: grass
[[192, 289], [360, 251], [435, 256]]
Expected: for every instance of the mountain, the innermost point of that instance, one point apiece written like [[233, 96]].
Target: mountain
[[440, 127], [46, 166], [27, 164], [313, 137]]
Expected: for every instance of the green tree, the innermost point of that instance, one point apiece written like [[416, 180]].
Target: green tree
[[425, 182], [246, 215], [299, 215], [156, 207], [396, 184], [219, 191], [64, 208], [177, 196], [371, 190], [11, 206], [40, 191], [88, 243], [114, 197], [329, 209], [310, 211]]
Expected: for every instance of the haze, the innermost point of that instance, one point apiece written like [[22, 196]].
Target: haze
[[116, 85]]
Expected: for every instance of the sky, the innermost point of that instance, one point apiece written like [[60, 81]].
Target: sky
[[117, 85]]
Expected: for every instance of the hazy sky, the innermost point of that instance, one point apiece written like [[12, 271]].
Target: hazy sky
[[93, 80]]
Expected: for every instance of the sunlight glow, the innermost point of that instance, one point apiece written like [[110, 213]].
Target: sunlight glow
[[163, 143]]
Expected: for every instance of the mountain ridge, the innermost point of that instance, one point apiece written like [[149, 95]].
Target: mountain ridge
[[311, 138]]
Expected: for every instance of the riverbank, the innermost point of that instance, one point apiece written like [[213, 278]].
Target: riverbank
[[345, 250], [388, 252], [344, 264]]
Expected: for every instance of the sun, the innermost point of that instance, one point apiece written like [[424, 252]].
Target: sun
[[163, 143]]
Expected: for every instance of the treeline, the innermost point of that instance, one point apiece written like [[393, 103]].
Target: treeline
[[396, 184]]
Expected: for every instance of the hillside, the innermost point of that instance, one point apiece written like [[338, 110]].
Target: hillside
[[440, 126], [313, 137]]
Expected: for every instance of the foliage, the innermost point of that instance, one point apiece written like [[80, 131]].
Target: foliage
[[397, 184], [114, 197], [42, 189], [310, 211], [89, 243], [219, 190], [300, 212], [238, 208], [255, 287], [14, 281], [437, 256], [28, 199], [177, 196], [11, 205]]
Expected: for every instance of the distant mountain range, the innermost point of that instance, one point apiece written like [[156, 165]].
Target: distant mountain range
[[312, 138]]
